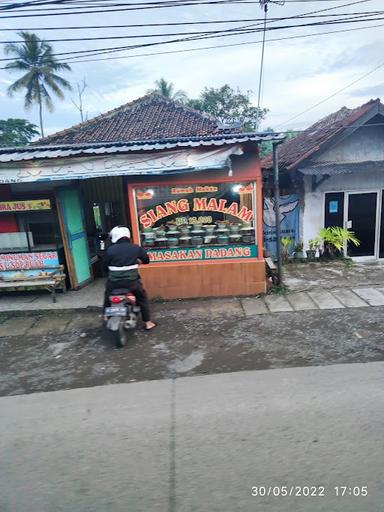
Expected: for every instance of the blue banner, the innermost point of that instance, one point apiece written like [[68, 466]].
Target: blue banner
[[23, 265], [289, 222]]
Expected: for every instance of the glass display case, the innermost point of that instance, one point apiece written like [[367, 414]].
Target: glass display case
[[32, 226], [173, 221]]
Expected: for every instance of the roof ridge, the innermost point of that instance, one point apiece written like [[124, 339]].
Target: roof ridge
[[88, 121], [311, 140]]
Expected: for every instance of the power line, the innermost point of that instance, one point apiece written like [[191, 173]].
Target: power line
[[223, 45], [213, 47], [239, 30], [60, 5], [334, 94], [201, 36], [177, 3], [136, 8], [186, 23], [326, 130]]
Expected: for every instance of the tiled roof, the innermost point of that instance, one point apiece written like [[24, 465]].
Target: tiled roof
[[311, 140], [150, 117]]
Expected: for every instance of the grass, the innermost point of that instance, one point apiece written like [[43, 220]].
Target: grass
[[278, 289]]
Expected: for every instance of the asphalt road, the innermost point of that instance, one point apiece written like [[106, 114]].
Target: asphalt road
[[198, 443]]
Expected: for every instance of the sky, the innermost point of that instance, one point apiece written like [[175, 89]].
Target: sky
[[299, 73]]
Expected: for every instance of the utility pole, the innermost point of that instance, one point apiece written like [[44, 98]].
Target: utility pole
[[276, 184], [264, 5]]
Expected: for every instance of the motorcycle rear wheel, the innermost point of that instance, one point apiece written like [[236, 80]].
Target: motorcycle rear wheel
[[120, 336]]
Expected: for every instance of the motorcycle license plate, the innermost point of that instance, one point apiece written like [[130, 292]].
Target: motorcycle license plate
[[116, 311]]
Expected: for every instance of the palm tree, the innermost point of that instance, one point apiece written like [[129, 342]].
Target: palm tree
[[36, 59], [166, 89]]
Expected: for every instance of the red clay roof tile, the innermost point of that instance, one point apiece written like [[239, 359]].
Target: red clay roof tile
[[150, 117], [310, 140]]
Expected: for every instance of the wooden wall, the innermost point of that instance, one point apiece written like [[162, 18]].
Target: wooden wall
[[203, 279]]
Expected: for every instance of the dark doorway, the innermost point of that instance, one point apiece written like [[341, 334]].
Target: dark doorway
[[334, 209], [362, 221]]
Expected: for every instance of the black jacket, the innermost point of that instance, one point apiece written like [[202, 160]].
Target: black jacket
[[121, 260]]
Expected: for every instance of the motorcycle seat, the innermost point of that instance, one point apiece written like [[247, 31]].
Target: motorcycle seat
[[121, 291]]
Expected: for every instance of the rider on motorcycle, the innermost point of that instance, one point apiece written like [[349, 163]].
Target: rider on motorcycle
[[121, 260]]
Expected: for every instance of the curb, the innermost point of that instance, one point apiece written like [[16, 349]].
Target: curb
[[34, 312]]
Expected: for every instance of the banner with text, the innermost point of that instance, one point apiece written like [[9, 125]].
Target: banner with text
[[30, 264], [203, 253], [289, 222]]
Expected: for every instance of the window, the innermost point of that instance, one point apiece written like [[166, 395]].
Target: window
[[199, 221], [27, 226]]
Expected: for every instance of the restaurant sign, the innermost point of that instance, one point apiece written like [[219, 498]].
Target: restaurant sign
[[23, 206], [198, 204], [203, 253], [27, 264]]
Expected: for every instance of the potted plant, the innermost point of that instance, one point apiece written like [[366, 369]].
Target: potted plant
[[335, 238], [286, 242], [314, 246], [298, 251]]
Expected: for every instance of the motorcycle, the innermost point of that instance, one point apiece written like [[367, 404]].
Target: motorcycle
[[122, 315]]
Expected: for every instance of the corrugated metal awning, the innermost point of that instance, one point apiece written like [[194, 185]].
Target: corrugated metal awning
[[128, 164], [61, 151]]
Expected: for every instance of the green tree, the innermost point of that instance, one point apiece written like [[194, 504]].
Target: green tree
[[229, 106], [167, 89], [36, 60], [16, 132]]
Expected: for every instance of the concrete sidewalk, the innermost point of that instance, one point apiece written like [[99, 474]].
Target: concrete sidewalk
[[89, 297], [311, 286], [314, 299], [317, 298]]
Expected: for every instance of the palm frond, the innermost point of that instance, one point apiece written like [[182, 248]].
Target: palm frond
[[46, 98], [59, 80], [29, 98], [21, 83], [17, 65], [48, 81], [11, 48]]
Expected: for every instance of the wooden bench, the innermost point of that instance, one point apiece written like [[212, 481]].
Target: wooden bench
[[54, 279]]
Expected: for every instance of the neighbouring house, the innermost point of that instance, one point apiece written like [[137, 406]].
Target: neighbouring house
[[190, 191], [336, 167]]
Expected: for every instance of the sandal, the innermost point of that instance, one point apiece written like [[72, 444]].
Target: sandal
[[150, 328]]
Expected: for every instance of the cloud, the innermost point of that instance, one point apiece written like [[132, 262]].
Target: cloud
[[298, 72], [373, 91]]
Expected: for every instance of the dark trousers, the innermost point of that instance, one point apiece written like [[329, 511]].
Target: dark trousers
[[136, 287]]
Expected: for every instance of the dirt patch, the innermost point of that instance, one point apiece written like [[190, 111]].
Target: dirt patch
[[333, 274], [186, 343]]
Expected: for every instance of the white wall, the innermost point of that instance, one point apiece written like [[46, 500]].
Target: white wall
[[313, 209], [365, 144]]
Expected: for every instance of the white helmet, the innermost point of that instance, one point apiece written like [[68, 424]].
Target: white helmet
[[119, 232]]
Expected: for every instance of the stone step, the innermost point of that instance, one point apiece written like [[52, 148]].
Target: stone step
[[277, 303], [325, 300], [373, 296], [301, 301], [254, 306], [349, 298]]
